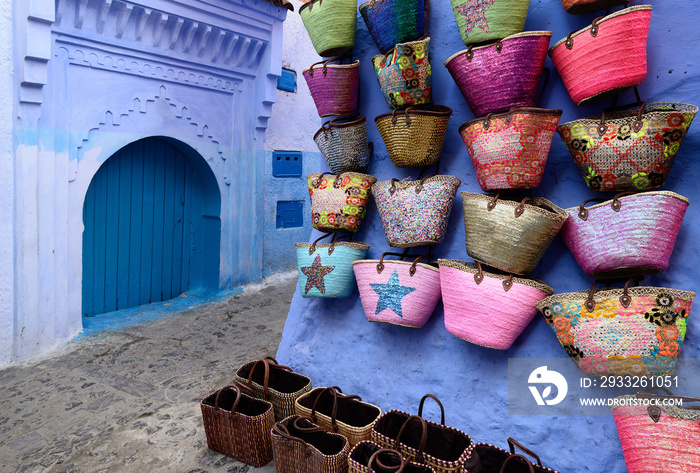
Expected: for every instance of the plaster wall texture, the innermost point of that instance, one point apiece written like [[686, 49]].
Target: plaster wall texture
[[332, 342]]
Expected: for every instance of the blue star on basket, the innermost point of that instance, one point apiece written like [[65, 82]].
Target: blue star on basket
[[474, 12], [315, 274], [391, 294]]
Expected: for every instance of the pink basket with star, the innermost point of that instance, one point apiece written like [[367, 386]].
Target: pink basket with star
[[489, 20], [398, 292], [630, 331]]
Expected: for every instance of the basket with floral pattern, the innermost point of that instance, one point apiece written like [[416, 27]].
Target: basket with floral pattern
[[404, 74], [339, 202]]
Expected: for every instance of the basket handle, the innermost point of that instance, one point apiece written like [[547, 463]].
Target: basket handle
[[434, 398], [616, 204], [636, 126], [512, 444], [423, 437], [412, 269], [479, 277], [325, 64], [405, 112], [521, 207], [529, 464], [469, 55], [236, 386], [312, 248], [654, 411], [594, 32], [266, 363], [392, 469], [337, 394], [427, 15], [625, 298], [313, 428]]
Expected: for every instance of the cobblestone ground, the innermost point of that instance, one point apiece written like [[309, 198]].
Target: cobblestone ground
[[128, 401]]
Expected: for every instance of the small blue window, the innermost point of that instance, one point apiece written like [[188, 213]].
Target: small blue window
[[290, 214], [286, 163], [287, 81]]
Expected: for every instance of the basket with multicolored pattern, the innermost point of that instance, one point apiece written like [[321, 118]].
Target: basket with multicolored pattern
[[339, 202], [404, 74]]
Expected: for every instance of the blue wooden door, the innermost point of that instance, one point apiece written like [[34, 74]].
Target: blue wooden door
[[152, 227]]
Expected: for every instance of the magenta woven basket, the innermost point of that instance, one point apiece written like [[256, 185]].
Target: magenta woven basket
[[606, 57], [334, 87], [487, 308], [502, 75], [625, 236], [509, 150], [398, 292]]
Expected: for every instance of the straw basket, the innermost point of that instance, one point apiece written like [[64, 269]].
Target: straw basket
[[605, 58], [404, 74], [414, 138], [325, 270], [339, 203], [509, 150], [398, 292], [489, 20], [628, 150], [635, 331], [487, 458], [580, 7], [487, 308], [415, 213], [625, 236], [331, 25], [343, 143], [510, 236], [499, 76], [366, 457], [395, 21], [334, 87]]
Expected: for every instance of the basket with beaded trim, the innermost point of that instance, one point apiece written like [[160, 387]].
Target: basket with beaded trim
[[369, 457]]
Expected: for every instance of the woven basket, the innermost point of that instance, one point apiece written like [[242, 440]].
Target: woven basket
[[445, 449], [414, 138], [366, 457], [508, 235], [663, 438], [339, 202], [238, 425], [395, 21], [299, 446], [331, 25], [397, 292], [486, 308], [487, 458], [509, 150], [343, 142], [489, 20], [274, 383], [404, 74], [325, 270], [580, 7], [415, 213], [634, 331], [334, 87], [627, 235], [336, 412], [606, 57], [499, 76], [628, 150]]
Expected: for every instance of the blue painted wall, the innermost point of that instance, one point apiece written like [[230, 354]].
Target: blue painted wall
[[332, 342]]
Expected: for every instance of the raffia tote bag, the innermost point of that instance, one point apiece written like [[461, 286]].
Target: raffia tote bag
[[487, 458], [395, 21], [238, 425], [511, 236], [334, 87], [275, 383], [299, 446], [635, 331], [415, 213], [660, 437], [369, 457], [331, 25], [487, 308], [580, 7], [404, 74], [398, 292], [343, 143], [509, 150], [605, 58], [487, 20], [339, 202], [627, 235], [336, 412]]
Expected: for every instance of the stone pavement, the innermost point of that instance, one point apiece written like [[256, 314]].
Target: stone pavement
[[128, 401]]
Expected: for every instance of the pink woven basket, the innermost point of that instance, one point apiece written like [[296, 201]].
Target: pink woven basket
[[502, 75], [398, 292], [606, 57], [334, 87], [625, 236], [486, 308]]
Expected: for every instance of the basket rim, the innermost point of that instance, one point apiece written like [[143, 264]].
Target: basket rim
[[424, 39], [405, 184], [410, 263], [522, 34], [358, 245], [673, 411], [316, 175], [335, 66], [554, 212], [435, 110], [624, 11], [613, 293], [612, 116], [513, 111], [471, 268], [358, 121], [575, 210]]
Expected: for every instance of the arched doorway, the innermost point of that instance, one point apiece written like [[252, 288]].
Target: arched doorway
[[152, 227]]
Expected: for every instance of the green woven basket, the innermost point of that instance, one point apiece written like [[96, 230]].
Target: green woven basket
[[331, 25], [489, 20]]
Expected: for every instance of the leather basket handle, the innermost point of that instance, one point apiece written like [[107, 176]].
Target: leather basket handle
[[423, 437], [392, 469], [625, 298], [266, 363], [434, 398], [512, 444], [529, 464]]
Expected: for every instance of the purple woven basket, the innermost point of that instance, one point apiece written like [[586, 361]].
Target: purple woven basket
[[334, 87], [502, 75]]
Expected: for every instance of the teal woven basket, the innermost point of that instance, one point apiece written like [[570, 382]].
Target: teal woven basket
[[325, 270], [331, 25], [489, 20]]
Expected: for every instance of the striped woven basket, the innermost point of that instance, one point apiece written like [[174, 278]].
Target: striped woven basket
[[635, 331], [274, 383], [581, 7], [334, 87], [497, 77], [395, 21], [489, 20], [343, 143], [605, 58], [414, 138], [510, 236], [331, 25], [626, 236], [487, 458], [369, 457], [487, 308], [336, 412], [663, 438], [299, 446], [404, 74], [339, 202]]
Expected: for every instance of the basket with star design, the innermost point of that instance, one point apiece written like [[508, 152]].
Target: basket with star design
[[489, 20], [398, 292]]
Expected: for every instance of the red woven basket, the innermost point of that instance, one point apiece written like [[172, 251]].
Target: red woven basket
[[334, 87]]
